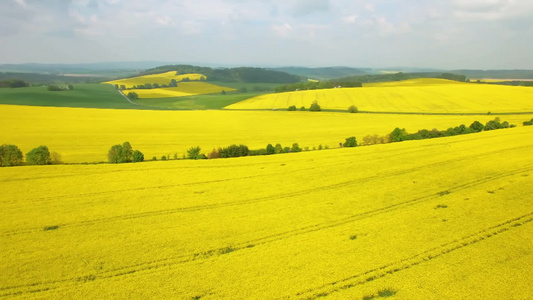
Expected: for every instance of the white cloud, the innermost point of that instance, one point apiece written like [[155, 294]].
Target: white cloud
[[349, 19]]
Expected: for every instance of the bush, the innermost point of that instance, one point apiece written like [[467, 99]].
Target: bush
[[119, 154], [55, 158], [292, 108], [163, 157], [10, 155], [194, 153], [314, 106], [39, 156], [302, 108], [133, 96], [350, 142], [137, 156], [234, 151], [257, 152], [477, 126], [154, 158], [54, 88], [214, 154], [270, 149], [353, 109], [398, 135], [278, 149], [528, 123], [296, 148]]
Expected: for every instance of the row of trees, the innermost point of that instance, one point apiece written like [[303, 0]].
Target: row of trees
[[241, 74], [124, 153], [312, 85], [13, 83], [10, 155], [316, 107], [398, 135]]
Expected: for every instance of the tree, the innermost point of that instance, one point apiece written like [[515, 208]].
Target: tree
[[476, 126], [39, 156], [116, 87], [302, 108], [10, 155], [292, 108], [315, 106], [270, 149], [122, 87], [55, 158], [54, 88], [350, 142], [148, 86], [114, 154], [155, 85], [223, 92], [133, 96], [296, 148], [398, 135], [70, 87], [194, 153], [173, 83], [127, 153], [353, 109], [278, 149]]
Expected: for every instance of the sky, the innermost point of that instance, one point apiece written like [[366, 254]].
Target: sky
[[449, 34]]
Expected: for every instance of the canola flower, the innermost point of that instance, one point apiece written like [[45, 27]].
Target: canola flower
[[416, 96], [161, 78], [443, 218], [85, 135], [183, 89]]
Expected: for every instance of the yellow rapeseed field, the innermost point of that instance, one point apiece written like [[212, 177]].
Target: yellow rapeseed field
[[85, 135], [419, 96], [183, 89], [448, 218], [161, 78]]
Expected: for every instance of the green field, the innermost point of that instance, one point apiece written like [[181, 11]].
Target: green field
[[83, 95]]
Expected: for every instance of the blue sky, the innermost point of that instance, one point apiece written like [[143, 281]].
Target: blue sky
[[451, 34]]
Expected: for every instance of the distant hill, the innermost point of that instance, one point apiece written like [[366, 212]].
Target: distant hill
[[496, 74], [241, 74], [324, 73]]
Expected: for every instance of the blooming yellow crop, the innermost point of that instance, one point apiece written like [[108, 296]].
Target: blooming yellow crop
[[85, 135], [419, 96], [161, 78], [183, 89], [447, 218]]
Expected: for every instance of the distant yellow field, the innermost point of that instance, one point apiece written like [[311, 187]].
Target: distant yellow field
[[85, 135], [183, 89], [161, 78], [448, 218], [422, 95]]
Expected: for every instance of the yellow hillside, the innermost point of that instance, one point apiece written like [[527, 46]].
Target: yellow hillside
[[183, 89], [446, 218], [85, 135], [419, 96], [161, 78]]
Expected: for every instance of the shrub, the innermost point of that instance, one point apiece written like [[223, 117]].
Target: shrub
[[398, 135], [353, 109], [528, 123], [477, 126], [194, 153], [292, 108], [133, 96], [278, 149], [119, 154], [270, 149], [296, 148], [39, 156], [54, 88], [314, 106], [163, 157], [257, 152], [286, 150], [10, 155], [234, 151], [55, 158], [350, 142], [137, 156], [302, 108], [154, 158], [214, 154]]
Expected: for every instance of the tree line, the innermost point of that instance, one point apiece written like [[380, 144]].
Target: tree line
[[317, 85], [241, 74], [11, 155]]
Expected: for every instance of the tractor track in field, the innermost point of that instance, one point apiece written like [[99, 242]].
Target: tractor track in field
[[411, 261], [247, 201], [156, 265], [225, 204]]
